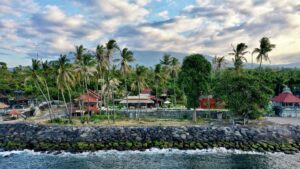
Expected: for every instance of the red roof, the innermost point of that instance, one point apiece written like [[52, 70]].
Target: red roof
[[286, 98], [90, 96], [14, 112]]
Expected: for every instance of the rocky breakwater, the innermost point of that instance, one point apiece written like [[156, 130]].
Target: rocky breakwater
[[76, 139]]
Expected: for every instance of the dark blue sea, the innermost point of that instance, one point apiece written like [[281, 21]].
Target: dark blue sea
[[149, 159]]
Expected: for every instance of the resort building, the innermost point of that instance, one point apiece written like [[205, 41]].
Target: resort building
[[208, 102], [144, 101], [286, 104], [86, 102]]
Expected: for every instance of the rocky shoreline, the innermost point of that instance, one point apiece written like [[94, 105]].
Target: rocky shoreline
[[77, 139]]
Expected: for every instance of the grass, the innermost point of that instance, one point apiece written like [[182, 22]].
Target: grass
[[101, 120]]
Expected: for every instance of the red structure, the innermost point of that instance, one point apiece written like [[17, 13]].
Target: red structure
[[89, 101], [210, 103], [286, 98]]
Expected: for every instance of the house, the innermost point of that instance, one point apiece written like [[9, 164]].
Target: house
[[297, 92], [3, 107], [208, 102], [88, 102], [286, 104], [141, 101]]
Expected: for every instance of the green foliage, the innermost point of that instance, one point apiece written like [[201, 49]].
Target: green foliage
[[244, 94], [59, 121], [194, 78]]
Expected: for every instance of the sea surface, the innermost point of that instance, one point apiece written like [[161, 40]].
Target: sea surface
[[150, 159]]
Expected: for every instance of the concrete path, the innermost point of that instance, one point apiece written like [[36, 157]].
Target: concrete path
[[284, 120]]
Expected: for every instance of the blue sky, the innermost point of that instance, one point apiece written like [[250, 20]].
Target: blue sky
[[53, 27]]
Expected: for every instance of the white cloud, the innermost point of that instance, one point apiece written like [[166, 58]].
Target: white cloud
[[163, 14]]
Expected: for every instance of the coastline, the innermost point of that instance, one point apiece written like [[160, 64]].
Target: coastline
[[275, 138]]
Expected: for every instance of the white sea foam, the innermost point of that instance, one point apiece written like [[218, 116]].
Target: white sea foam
[[151, 151]]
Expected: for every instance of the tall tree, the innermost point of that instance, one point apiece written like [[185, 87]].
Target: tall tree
[[79, 52], [195, 78], [126, 58], [219, 62], [263, 50], [157, 78], [33, 74], [65, 80], [239, 53], [139, 82], [174, 69]]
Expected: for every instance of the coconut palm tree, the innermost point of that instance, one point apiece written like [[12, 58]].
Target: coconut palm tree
[[108, 89], [139, 82], [32, 74], [111, 48], [126, 58], [174, 68], [166, 60], [157, 79], [46, 69], [239, 53], [79, 52], [101, 66], [65, 80], [219, 62], [86, 69], [263, 50]]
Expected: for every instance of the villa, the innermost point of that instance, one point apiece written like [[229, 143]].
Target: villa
[[286, 104], [89, 101]]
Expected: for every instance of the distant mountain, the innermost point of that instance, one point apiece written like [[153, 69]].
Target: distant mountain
[[151, 58]]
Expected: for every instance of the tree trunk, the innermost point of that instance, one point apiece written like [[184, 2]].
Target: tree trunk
[[63, 96], [49, 103], [39, 87], [113, 102], [174, 92], [88, 109], [126, 95], [139, 101], [156, 93], [70, 113], [194, 116]]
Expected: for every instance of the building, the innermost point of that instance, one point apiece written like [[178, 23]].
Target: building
[[89, 101], [208, 102], [286, 104], [141, 101], [297, 92]]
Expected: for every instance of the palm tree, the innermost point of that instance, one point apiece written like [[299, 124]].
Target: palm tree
[[166, 60], [111, 48], [263, 50], [157, 78], [126, 58], [219, 62], [79, 52], [101, 66], [65, 80], [139, 82], [46, 72], [86, 69], [32, 74], [174, 68], [239, 53], [108, 89]]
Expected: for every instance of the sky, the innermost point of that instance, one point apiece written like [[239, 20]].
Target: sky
[[210, 27]]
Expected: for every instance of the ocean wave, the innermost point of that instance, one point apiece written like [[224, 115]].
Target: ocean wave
[[148, 151]]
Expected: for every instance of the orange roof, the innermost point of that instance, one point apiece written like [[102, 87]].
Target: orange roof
[[286, 98], [14, 112]]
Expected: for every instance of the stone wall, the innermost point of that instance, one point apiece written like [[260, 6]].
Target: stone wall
[[171, 114], [46, 138]]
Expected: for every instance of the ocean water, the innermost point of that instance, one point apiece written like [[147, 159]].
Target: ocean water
[[150, 159]]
